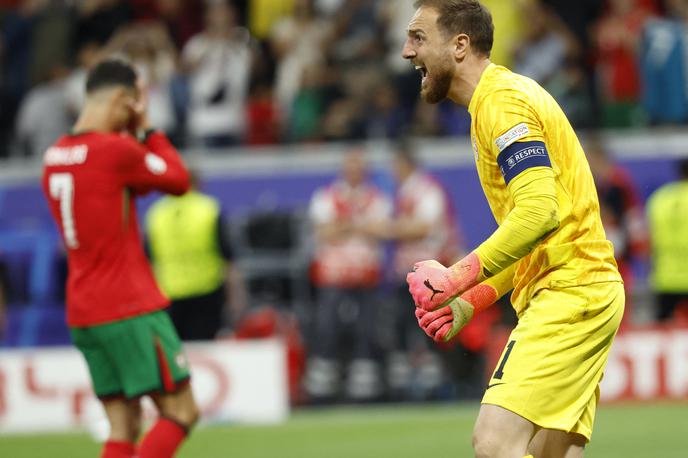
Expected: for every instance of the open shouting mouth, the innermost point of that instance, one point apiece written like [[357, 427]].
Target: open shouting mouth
[[423, 71]]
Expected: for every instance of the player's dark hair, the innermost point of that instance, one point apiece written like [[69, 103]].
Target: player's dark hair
[[464, 16], [111, 72]]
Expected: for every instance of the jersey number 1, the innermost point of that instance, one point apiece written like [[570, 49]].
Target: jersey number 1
[[62, 189], [499, 373]]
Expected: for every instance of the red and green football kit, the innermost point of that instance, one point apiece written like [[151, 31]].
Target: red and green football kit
[[91, 181]]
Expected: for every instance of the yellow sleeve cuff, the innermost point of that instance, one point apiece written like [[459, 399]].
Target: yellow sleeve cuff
[[502, 282]]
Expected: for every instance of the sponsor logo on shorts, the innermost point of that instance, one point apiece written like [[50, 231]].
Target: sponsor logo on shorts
[[493, 385], [512, 135]]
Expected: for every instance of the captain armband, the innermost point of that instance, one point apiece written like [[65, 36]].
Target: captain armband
[[521, 156]]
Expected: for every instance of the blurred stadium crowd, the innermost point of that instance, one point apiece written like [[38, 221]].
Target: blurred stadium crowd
[[228, 72], [223, 73]]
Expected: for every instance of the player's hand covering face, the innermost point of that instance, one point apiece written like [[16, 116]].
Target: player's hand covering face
[[430, 53], [137, 105]]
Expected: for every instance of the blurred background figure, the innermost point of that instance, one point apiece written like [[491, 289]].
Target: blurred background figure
[[403, 79], [663, 65], [550, 53], [3, 299], [217, 62], [87, 55], [43, 115], [193, 263], [545, 45], [423, 227], [150, 49], [98, 20], [347, 271], [182, 19], [509, 24], [299, 42], [617, 37], [667, 213], [623, 216], [24, 64]]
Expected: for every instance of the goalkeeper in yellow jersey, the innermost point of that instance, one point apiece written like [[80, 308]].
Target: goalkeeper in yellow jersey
[[550, 246]]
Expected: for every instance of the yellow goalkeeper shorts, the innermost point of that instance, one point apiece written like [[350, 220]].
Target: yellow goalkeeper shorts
[[551, 367]]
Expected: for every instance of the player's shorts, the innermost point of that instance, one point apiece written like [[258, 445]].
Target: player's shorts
[[551, 367], [133, 357]]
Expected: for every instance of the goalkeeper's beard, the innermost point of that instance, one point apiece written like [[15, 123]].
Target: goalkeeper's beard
[[436, 87]]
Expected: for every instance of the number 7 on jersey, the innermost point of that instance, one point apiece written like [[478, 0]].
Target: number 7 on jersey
[[62, 189]]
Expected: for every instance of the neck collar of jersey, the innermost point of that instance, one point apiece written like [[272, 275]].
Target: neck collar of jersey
[[473, 104]]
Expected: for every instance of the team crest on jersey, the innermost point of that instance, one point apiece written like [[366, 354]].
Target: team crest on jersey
[[515, 133], [155, 164]]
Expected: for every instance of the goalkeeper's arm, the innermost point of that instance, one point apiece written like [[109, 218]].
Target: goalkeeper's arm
[[444, 323], [534, 216]]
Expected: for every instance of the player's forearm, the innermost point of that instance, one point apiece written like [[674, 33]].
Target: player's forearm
[[445, 322], [175, 179], [489, 291], [534, 216]]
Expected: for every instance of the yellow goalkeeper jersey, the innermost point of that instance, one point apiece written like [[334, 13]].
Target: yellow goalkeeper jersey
[[517, 125]]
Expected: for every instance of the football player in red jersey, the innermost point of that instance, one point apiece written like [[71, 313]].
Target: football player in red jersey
[[114, 307]]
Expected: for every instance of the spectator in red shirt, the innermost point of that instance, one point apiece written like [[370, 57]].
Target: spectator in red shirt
[[423, 227], [616, 37], [342, 214]]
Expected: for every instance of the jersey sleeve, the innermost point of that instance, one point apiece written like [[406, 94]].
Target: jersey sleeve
[[491, 290], [534, 216], [154, 165], [513, 130]]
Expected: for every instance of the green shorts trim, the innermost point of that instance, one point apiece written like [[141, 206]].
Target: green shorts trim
[[133, 357]]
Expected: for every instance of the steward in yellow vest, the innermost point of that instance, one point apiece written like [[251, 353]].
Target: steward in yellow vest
[[190, 260], [667, 211]]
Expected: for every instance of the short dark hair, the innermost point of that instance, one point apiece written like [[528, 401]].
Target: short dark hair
[[111, 72], [464, 16]]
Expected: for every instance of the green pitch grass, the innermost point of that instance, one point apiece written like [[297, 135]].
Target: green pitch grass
[[636, 431]]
